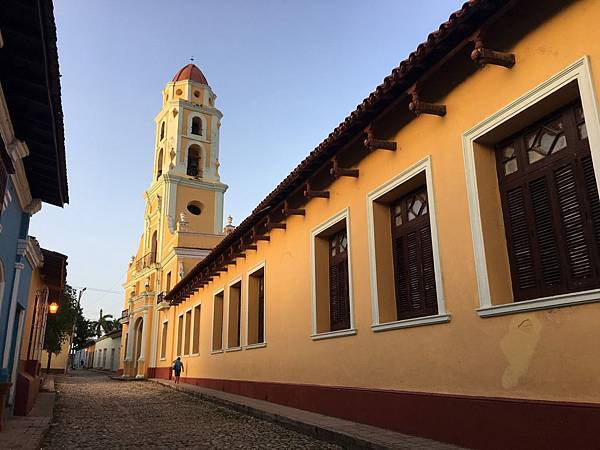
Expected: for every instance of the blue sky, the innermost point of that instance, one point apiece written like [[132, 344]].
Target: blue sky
[[286, 73]]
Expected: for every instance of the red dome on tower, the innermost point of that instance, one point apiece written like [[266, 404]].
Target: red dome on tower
[[190, 72]]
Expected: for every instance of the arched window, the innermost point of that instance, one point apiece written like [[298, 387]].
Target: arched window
[[197, 126], [159, 164], [162, 131], [153, 248], [194, 166]]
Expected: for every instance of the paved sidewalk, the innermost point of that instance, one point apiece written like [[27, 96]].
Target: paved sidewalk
[[331, 429], [27, 432]]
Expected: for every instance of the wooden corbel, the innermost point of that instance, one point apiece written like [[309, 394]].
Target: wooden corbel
[[484, 56], [250, 247], [287, 211], [272, 225], [259, 237], [309, 193], [338, 171], [372, 143], [418, 106], [239, 253]]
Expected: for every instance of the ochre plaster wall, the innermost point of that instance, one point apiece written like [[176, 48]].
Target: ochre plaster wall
[[551, 354]]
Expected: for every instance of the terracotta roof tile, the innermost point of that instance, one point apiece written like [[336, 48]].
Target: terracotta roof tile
[[190, 72]]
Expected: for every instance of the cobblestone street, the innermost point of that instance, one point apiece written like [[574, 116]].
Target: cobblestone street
[[93, 411]]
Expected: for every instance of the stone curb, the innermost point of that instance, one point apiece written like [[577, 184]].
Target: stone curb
[[341, 432]]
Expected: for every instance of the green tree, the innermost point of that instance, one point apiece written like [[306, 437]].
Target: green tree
[[102, 324], [60, 325], [116, 325], [84, 331]]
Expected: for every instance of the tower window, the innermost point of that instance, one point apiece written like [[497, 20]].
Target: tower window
[[196, 94], [194, 167], [159, 164], [178, 92], [195, 208], [197, 126], [153, 248], [162, 131]]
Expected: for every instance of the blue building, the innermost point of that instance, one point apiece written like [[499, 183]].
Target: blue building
[[32, 160]]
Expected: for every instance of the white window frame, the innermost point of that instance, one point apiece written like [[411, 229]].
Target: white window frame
[[580, 72], [315, 336], [251, 271], [180, 352], [212, 327], [199, 328], [184, 331], [422, 166], [162, 330], [226, 344]]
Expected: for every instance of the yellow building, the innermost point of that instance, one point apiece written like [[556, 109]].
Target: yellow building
[[433, 266], [184, 211], [48, 277]]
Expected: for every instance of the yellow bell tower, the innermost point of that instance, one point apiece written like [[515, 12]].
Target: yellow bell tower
[[183, 218], [187, 152]]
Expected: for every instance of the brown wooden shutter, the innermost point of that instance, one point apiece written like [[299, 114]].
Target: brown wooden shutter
[[414, 272], [339, 301], [551, 207], [261, 310]]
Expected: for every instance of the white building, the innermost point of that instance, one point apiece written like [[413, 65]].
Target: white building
[[107, 351]]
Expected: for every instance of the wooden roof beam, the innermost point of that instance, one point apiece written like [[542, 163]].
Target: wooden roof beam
[[338, 171], [287, 211], [418, 106], [372, 143], [309, 193], [484, 56], [272, 225]]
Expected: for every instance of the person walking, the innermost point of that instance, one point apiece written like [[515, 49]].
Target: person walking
[[177, 368]]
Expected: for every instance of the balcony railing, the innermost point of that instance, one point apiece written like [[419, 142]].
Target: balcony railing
[[160, 297], [125, 314], [145, 261]]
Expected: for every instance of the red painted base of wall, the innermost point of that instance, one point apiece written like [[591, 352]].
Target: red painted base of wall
[[119, 372], [476, 422], [164, 373], [27, 387]]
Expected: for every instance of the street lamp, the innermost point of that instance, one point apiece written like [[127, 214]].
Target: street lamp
[[53, 308]]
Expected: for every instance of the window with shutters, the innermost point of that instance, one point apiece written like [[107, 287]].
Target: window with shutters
[[414, 273], [217, 329], [179, 334], [332, 288], [551, 208], [404, 259], [339, 302], [256, 307], [196, 333], [235, 313], [163, 340], [187, 332]]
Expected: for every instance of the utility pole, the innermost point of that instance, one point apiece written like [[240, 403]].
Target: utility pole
[[71, 359]]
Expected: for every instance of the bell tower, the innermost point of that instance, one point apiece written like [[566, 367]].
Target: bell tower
[[183, 219], [187, 153]]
